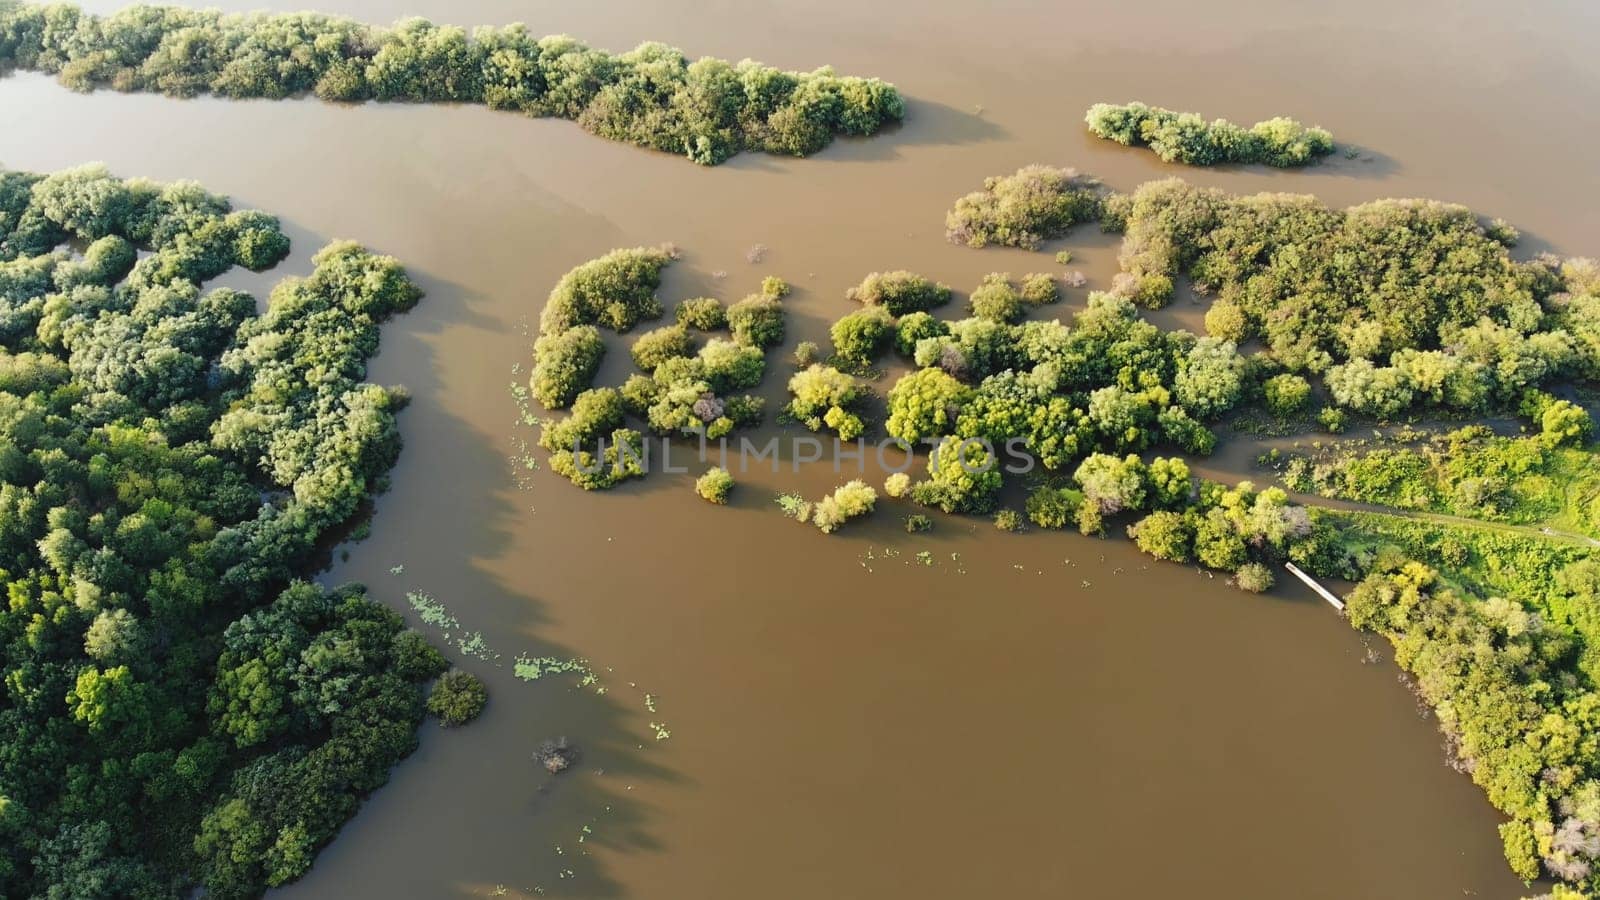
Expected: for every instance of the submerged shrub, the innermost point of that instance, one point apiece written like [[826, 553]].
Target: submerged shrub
[[1034, 204], [1008, 520], [1253, 577]]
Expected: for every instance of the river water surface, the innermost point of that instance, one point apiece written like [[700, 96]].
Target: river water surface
[[1017, 716]]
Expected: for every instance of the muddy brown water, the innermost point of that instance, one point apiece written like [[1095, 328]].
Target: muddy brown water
[[1039, 715]]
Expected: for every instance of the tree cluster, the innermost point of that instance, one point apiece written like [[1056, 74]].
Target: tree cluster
[[652, 96], [1189, 139], [178, 708]]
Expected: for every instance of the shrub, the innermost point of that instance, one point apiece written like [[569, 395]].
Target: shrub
[[702, 314], [897, 485], [848, 501], [714, 486], [1253, 577], [457, 697], [1286, 394], [1064, 257], [858, 338], [1008, 520], [899, 292], [1020, 210], [806, 353], [1332, 420], [653, 348]]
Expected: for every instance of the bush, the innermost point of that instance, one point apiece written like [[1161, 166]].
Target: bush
[[457, 698], [1286, 394], [1189, 139], [1064, 257], [714, 486], [1008, 520], [653, 348], [899, 292], [848, 501], [859, 338], [1332, 420], [1253, 577], [897, 485], [1020, 210], [702, 314]]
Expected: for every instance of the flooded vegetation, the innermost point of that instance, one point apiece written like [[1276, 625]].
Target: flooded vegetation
[[691, 695]]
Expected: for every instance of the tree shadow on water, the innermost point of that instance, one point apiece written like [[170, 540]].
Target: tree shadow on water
[[473, 810]]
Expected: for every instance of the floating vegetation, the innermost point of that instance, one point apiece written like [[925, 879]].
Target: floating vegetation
[[432, 611], [533, 668], [650, 702], [556, 756], [473, 644], [661, 731], [397, 570]]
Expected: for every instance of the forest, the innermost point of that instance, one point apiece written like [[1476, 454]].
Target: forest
[[1477, 559], [181, 707], [652, 96]]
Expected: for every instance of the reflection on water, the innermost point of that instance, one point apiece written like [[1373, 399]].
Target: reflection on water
[[1025, 716]]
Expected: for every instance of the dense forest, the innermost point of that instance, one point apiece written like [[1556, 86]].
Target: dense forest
[[1187, 138], [652, 96], [178, 708]]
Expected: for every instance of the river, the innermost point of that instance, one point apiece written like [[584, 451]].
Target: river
[[1018, 716]]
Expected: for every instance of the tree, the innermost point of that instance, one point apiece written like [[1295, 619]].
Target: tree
[[899, 292], [859, 337], [653, 348], [1112, 484], [564, 365], [1164, 535], [1286, 394], [714, 486], [924, 403], [1021, 210], [457, 697], [823, 395], [963, 477], [1210, 378], [996, 300]]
